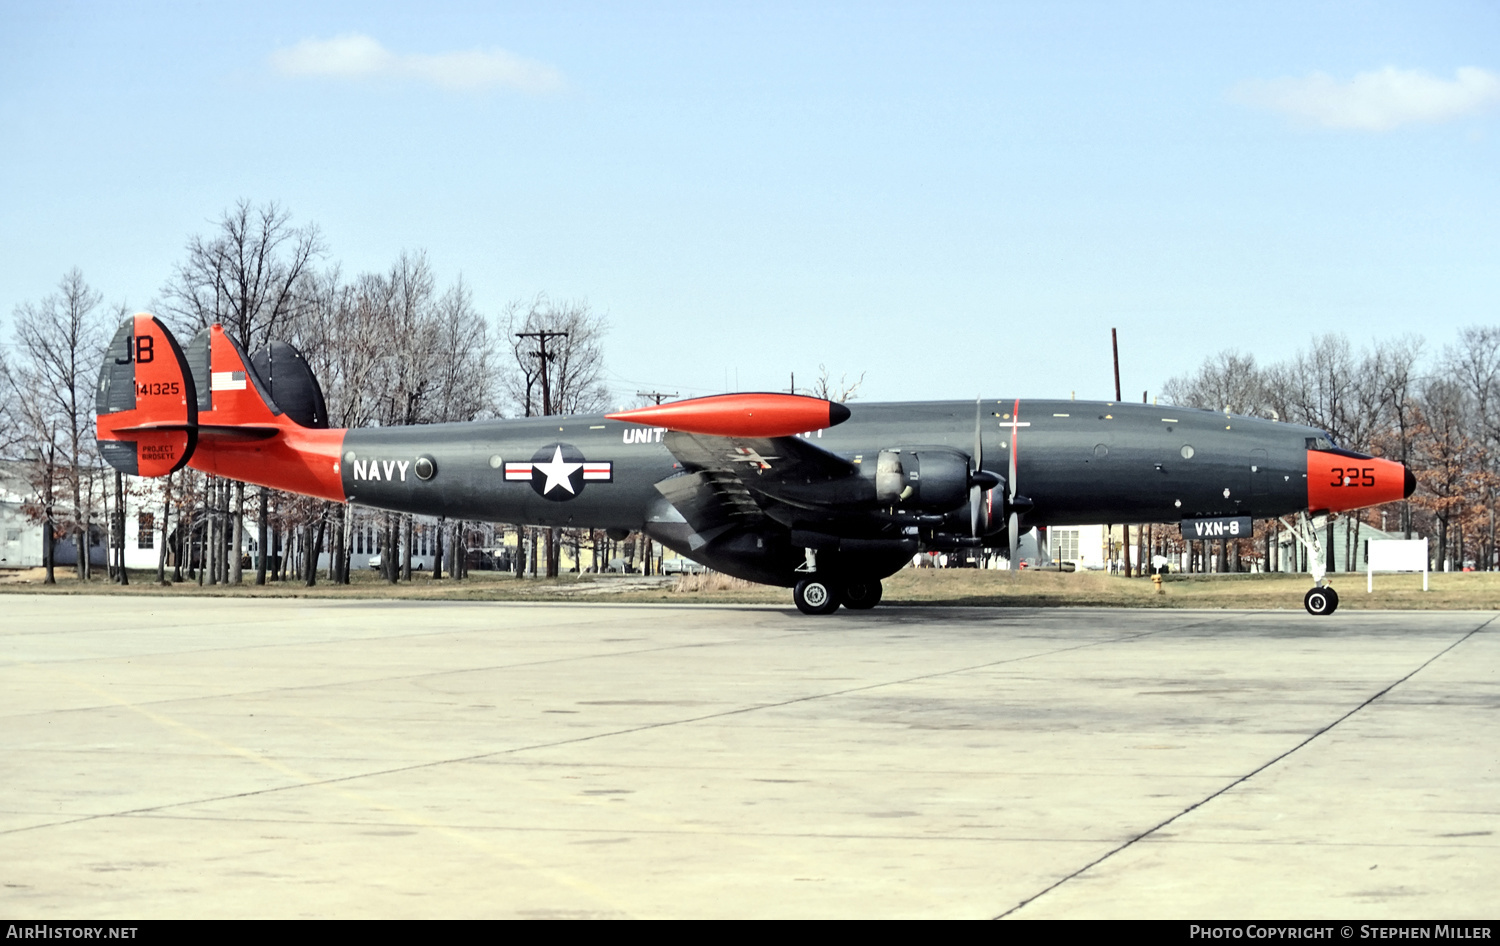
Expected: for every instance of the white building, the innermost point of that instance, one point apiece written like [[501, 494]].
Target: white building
[[20, 538]]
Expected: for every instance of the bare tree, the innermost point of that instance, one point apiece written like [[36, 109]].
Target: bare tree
[[59, 343], [390, 350], [1445, 454], [1398, 379], [1315, 388], [408, 367], [31, 430], [244, 276], [463, 355], [1474, 362], [829, 390], [1228, 380]]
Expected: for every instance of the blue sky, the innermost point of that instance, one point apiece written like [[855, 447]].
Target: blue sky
[[954, 199]]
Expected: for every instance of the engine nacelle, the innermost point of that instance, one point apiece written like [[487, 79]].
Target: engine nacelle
[[927, 478]]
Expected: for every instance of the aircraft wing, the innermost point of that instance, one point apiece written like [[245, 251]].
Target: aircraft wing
[[774, 458], [709, 502], [788, 469]]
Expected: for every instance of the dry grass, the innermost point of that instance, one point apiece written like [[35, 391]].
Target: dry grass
[[711, 582], [1471, 591]]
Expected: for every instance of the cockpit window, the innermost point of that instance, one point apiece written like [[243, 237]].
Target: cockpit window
[[1320, 443]]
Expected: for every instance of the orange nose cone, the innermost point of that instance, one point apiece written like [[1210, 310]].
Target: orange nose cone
[[1337, 482]]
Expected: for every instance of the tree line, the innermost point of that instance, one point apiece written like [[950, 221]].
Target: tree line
[[389, 347]]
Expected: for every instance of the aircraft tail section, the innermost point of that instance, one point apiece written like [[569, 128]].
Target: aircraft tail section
[[225, 419]]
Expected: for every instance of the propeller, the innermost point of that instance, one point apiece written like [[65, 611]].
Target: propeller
[[980, 479]]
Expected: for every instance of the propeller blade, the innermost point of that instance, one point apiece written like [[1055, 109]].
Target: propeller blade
[[976, 492], [1012, 481], [1015, 520], [978, 434]]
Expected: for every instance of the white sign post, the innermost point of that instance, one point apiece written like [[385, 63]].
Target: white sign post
[[1395, 555]]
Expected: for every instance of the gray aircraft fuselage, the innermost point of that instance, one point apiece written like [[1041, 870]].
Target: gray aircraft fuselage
[[1077, 461]]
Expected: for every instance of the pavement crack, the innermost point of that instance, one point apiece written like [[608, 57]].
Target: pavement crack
[[1243, 778]]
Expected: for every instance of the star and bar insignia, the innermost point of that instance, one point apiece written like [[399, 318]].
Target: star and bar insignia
[[559, 471]]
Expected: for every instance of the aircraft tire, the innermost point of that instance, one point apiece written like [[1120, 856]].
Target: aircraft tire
[[1321, 601], [815, 596], [861, 594]]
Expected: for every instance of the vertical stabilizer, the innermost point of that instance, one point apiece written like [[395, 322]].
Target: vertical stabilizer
[[234, 395], [146, 402], [160, 408], [291, 383]]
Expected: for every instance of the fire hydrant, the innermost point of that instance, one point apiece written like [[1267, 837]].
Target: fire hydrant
[[1156, 580]]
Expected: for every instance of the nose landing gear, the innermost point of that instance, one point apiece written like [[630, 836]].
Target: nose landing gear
[[1321, 601]]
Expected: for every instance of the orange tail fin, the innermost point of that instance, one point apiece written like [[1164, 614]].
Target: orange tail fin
[[146, 402], [243, 435]]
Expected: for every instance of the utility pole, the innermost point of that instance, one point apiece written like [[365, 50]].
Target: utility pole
[[657, 396], [1114, 341], [541, 354], [542, 337]]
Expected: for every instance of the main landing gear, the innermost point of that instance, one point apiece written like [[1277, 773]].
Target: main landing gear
[[823, 596], [861, 594]]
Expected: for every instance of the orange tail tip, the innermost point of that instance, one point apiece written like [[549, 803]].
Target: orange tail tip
[[146, 402], [741, 415]]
